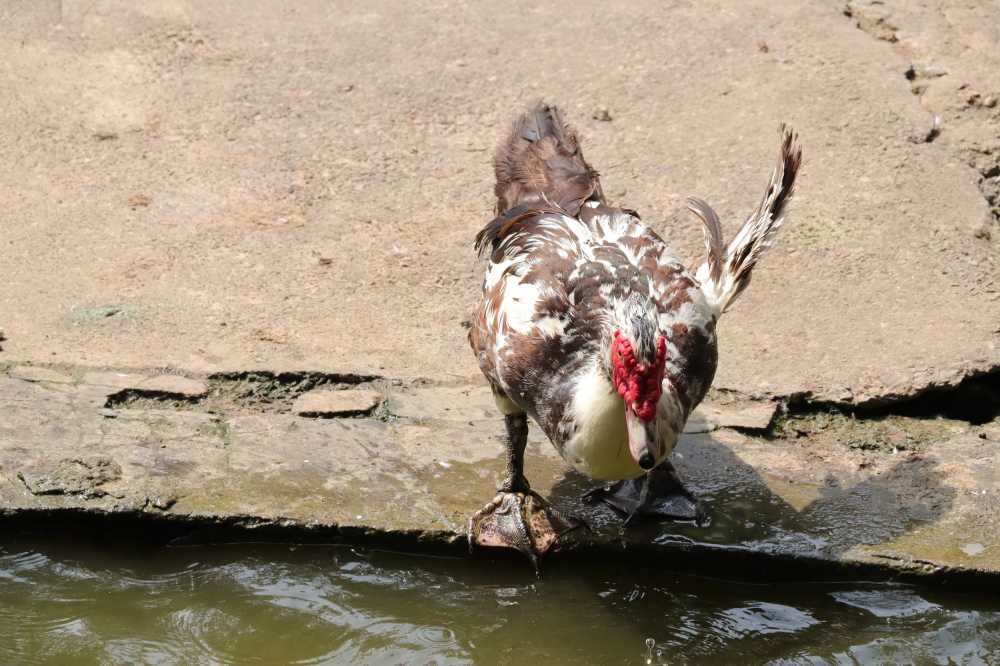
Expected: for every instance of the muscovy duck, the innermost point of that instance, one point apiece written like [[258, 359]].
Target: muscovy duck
[[592, 327]]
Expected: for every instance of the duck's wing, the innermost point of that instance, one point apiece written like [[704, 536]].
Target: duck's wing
[[527, 332]]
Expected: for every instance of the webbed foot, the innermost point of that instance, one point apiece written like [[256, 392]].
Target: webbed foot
[[660, 494], [519, 520]]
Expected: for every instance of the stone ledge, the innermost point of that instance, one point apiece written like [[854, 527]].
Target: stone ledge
[[930, 512]]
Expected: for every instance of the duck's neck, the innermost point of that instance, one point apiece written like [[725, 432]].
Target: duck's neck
[[634, 319]]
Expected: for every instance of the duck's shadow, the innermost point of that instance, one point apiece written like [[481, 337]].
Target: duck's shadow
[[809, 519]]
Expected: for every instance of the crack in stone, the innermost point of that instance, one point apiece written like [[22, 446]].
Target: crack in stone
[[875, 21], [975, 399], [258, 391]]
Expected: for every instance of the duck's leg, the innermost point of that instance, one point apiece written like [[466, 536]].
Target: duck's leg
[[659, 494], [518, 517]]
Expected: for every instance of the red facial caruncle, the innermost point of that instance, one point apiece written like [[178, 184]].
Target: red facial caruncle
[[640, 385]]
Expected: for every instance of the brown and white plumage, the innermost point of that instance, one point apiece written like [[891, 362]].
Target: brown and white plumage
[[571, 278], [726, 272], [541, 163]]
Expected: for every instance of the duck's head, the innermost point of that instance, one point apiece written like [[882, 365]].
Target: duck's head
[[638, 358]]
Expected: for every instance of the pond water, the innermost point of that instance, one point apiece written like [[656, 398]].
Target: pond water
[[82, 602]]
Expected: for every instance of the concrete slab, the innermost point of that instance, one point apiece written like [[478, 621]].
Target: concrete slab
[[32, 373], [906, 495], [329, 403], [451, 403], [318, 211], [739, 414], [113, 379], [174, 385]]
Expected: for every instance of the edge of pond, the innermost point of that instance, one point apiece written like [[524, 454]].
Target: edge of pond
[[730, 562]]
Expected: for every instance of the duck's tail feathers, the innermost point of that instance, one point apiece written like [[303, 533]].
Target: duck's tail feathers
[[540, 163], [727, 271]]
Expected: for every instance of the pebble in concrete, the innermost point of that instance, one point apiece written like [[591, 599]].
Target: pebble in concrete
[[325, 403]]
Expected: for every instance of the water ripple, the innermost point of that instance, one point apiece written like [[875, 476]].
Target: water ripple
[[886, 603], [272, 605]]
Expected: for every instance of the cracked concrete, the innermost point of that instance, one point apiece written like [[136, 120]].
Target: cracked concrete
[[70, 476], [954, 70], [205, 189]]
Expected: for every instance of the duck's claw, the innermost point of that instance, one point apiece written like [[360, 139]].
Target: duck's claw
[[659, 494], [522, 521]]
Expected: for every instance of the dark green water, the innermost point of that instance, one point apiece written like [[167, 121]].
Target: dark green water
[[73, 603]]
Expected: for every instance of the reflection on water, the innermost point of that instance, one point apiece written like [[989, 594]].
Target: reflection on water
[[78, 603]]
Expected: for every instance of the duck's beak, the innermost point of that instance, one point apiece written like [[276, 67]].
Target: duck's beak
[[642, 440]]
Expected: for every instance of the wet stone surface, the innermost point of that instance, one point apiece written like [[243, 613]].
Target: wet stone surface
[[70, 476], [903, 494]]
